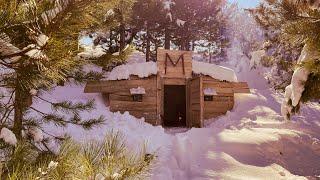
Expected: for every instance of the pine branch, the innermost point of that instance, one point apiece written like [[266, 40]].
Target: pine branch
[[91, 123], [68, 106]]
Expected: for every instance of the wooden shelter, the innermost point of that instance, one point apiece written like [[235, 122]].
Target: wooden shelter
[[173, 96]]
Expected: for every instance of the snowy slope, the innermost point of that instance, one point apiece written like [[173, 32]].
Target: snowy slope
[[253, 141]]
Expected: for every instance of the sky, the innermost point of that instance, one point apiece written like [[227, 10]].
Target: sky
[[246, 3]]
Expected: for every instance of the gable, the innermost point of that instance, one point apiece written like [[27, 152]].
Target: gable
[[174, 64]]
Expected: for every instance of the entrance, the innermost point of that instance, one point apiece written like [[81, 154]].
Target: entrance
[[174, 106]]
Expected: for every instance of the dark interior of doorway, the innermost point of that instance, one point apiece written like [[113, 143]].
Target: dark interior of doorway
[[174, 106]]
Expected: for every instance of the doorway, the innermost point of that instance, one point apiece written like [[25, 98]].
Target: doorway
[[174, 106]]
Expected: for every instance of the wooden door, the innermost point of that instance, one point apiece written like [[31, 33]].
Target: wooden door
[[195, 102]]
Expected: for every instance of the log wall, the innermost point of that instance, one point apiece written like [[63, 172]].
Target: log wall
[[222, 102], [121, 100]]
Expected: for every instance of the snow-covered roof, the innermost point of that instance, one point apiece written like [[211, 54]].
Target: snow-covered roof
[[136, 65], [214, 71], [141, 70]]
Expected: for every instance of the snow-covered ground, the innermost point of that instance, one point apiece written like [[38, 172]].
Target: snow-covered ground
[[253, 141]]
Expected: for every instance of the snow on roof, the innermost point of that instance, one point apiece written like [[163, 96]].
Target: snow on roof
[[214, 71], [136, 57], [141, 70], [210, 92], [138, 90]]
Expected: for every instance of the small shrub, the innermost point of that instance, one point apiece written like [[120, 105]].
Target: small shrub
[[109, 160]]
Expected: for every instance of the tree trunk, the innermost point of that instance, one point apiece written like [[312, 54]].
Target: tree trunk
[[193, 46], [122, 37], [22, 100], [148, 45], [187, 47], [167, 39]]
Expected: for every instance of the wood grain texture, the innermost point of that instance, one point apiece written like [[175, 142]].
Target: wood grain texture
[[195, 102], [114, 86], [171, 70]]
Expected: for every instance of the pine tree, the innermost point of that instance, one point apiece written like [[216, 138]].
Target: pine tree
[[196, 21], [38, 46], [117, 33], [147, 16], [299, 22], [271, 17]]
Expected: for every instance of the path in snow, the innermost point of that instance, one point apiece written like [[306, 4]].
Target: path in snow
[[247, 143], [251, 142]]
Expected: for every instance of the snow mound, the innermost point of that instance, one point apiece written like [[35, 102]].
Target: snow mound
[[8, 136], [300, 76], [215, 71], [141, 70], [136, 57], [36, 133]]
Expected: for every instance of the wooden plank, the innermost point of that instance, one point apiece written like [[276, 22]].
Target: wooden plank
[[160, 93], [174, 81], [218, 84], [116, 97], [206, 78], [148, 85], [241, 87], [132, 106], [213, 104], [177, 70], [146, 115], [195, 102], [113, 86], [201, 102], [242, 91], [211, 115], [126, 92], [188, 106]]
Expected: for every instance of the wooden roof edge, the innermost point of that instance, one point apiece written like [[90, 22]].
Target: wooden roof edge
[[94, 86], [241, 87]]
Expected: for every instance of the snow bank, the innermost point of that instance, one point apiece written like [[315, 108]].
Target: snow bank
[[300, 76], [36, 134], [8, 136], [141, 70], [136, 57], [215, 71], [244, 144], [136, 132]]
